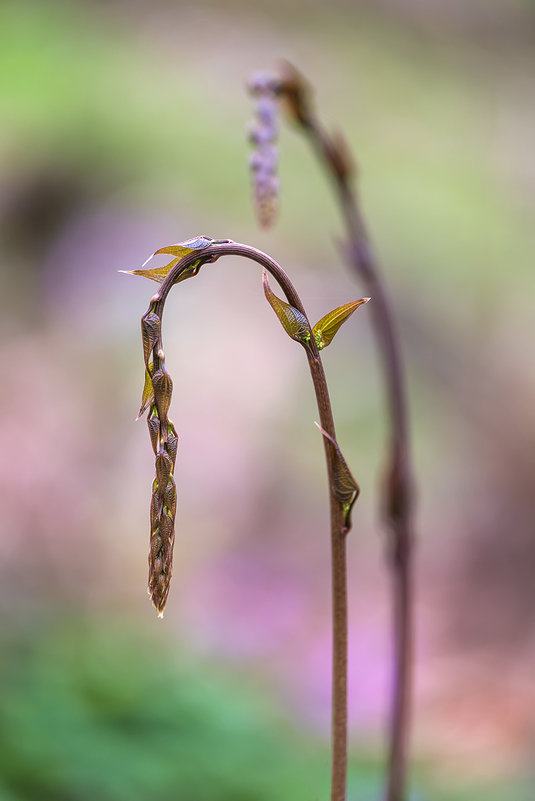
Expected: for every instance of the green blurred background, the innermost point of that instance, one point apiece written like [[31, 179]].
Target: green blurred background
[[123, 129]]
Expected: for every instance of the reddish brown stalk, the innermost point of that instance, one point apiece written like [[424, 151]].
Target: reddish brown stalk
[[398, 495], [338, 539]]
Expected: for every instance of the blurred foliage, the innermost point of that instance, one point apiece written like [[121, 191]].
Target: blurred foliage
[[88, 711], [93, 710]]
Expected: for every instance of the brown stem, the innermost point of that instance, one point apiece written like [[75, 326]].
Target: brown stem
[[338, 540], [334, 156]]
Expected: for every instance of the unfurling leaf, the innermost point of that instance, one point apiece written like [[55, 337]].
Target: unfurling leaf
[[293, 321], [179, 250], [150, 332], [158, 274], [147, 398], [326, 328], [345, 487], [182, 249]]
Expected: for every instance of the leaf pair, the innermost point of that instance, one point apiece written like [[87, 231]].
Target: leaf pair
[[296, 325]]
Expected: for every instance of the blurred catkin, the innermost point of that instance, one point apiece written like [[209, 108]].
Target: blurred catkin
[[263, 160]]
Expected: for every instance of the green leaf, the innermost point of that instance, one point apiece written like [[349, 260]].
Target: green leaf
[[293, 321], [345, 487], [158, 274], [182, 249], [179, 250], [147, 398], [326, 328]]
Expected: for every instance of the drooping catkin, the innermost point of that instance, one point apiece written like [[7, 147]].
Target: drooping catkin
[[263, 160], [164, 441]]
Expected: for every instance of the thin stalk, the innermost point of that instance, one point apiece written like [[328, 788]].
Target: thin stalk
[[338, 540], [398, 493]]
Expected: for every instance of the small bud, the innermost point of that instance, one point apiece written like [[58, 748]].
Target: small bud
[[172, 443], [163, 389], [150, 331], [156, 503], [164, 465], [155, 544], [169, 497], [153, 423], [166, 531]]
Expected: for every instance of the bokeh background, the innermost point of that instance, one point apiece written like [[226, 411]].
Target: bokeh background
[[122, 131]]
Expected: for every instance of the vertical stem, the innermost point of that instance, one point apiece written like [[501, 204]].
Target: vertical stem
[[334, 156], [339, 600]]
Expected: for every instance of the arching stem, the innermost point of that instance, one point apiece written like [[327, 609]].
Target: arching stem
[[338, 540]]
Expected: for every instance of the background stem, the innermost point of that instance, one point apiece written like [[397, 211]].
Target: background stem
[[338, 540], [397, 502]]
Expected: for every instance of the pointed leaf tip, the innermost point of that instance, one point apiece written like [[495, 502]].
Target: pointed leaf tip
[[147, 398], [292, 320], [326, 328], [345, 486], [182, 249]]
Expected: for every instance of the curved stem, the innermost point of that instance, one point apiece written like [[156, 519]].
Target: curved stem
[[338, 544]]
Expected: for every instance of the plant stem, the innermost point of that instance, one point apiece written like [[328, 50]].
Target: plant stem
[[398, 495], [338, 543]]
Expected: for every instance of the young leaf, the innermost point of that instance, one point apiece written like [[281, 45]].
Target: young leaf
[[326, 328], [345, 487], [147, 398], [179, 250], [158, 274], [293, 321], [182, 249]]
